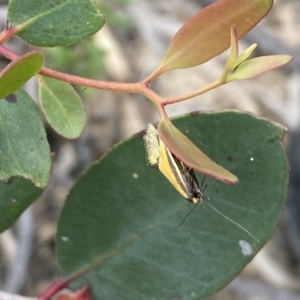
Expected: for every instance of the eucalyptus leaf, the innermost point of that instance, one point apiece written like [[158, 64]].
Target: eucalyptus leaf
[[62, 107], [54, 23], [24, 150], [119, 225], [242, 57], [18, 72], [25, 162], [258, 65], [15, 196], [192, 156], [207, 33]]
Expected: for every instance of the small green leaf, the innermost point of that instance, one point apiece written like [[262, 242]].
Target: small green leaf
[[257, 66], [54, 23], [62, 107], [19, 71], [24, 150], [234, 50], [119, 222], [207, 34], [234, 47], [15, 196], [243, 56], [193, 157]]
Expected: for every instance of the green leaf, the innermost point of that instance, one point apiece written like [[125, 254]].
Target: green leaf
[[207, 33], [241, 58], [234, 47], [55, 22], [62, 107], [257, 66], [119, 222], [14, 75], [24, 150], [193, 157], [15, 196]]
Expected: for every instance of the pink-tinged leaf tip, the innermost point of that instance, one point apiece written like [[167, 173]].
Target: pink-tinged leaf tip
[[259, 65], [207, 33], [186, 151]]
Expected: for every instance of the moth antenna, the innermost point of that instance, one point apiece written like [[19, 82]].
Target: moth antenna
[[203, 188], [196, 205], [233, 222]]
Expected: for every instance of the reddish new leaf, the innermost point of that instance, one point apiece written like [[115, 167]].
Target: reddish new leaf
[[207, 33], [193, 157]]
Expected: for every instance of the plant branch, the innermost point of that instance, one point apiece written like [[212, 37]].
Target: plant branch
[[201, 91], [53, 289], [7, 34], [72, 79], [157, 72], [8, 53], [138, 87], [97, 84]]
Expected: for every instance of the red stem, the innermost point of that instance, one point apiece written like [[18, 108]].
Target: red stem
[[97, 84], [138, 87], [7, 34], [7, 53], [53, 289]]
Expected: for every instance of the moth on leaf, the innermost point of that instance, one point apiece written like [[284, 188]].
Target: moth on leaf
[[179, 175]]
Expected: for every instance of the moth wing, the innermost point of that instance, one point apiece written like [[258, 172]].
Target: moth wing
[[151, 141]]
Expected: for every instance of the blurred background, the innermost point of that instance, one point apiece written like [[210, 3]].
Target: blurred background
[[128, 48]]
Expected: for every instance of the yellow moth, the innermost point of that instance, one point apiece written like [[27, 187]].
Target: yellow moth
[[179, 175]]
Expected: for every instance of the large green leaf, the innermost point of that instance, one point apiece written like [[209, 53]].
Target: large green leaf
[[25, 162], [120, 219], [24, 150], [54, 23], [15, 196]]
